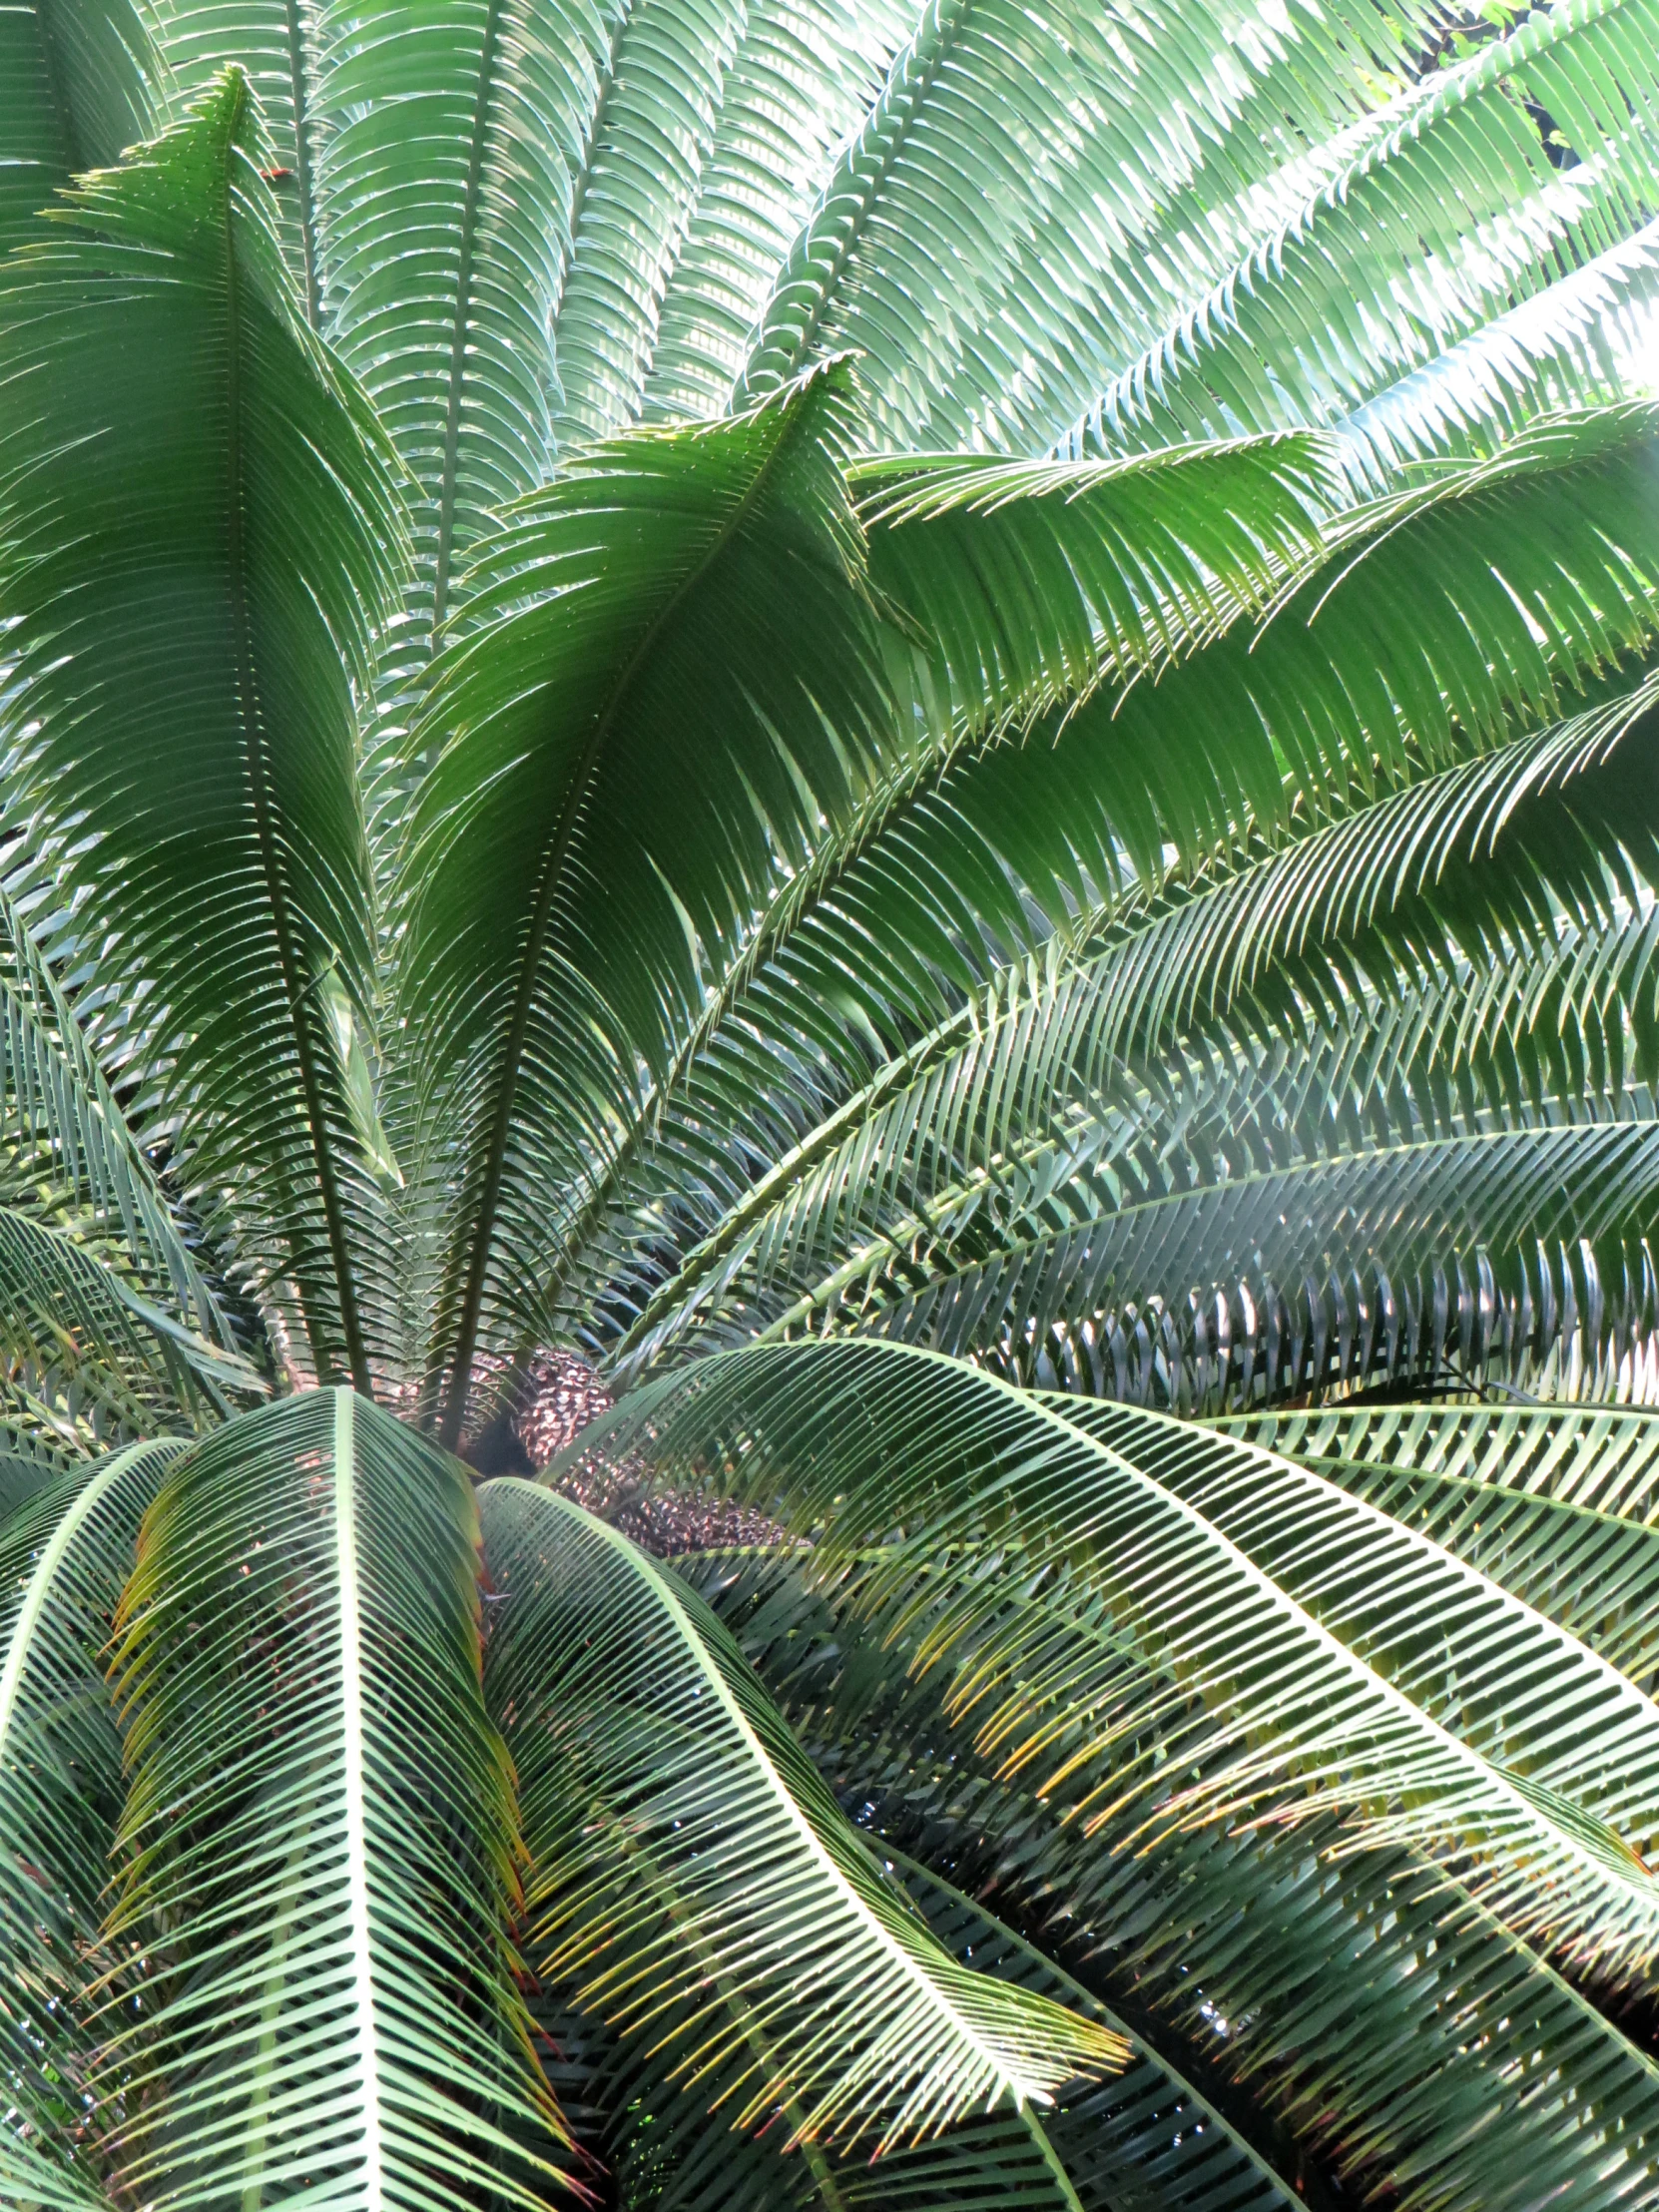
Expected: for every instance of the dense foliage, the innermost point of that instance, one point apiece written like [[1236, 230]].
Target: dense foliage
[[937, 740]]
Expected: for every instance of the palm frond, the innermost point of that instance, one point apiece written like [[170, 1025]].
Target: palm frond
[[1226, 1636], [1449, 877], [201, 739], [318, 1847], [1022, 192], [1585, 341], [682, 1843], [71, 1139], [447, 186], [78, 81], [63, 1561], [1454, 215], [1604, 1457], [1357, 2015], [599, 759], [86, 1356], [276, 44], [1034, 581], [800, 81]]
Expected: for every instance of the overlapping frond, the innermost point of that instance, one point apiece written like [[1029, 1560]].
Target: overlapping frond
[[694, 1881], [1451, 219], [64, 1559], [800, 81], [1027, 190], [1015, 1599], [1525, 1522], [1481, 891], [318, 1847], [601, 760], [276, 44], [78, 81], [1357, 2015], [200, 522], [447, 188]]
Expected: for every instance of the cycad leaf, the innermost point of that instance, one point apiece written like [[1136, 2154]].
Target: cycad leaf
[[77, 82], [319, 1844], [276, 44], [1223, 1635], [63, 1562], [1358, 2015], [1030, 581], [74, 1141], [799, 83], [1455, 212], [447, 194], [601, 761], [1446, 875], [1026, 192], [83, 1345], [681, 1839], [238, 502]]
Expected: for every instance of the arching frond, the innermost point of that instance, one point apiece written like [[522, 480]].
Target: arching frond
[[693, 1878], [319, 1846], [1356, 2013], [600, 760], [1022, 191], [1457, 212], [63, 1561], [78, 81], [1444, 875]]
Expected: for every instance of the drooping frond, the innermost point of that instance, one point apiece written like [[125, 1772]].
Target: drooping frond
[[63, 1561], [1357, 2015], [693, 1880], [1591, 1568], [1248, 1651], [318, 1847], [198, 522]]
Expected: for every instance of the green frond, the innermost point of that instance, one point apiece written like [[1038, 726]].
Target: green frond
[[1592, 1571], [1454, 217], [448, 191], [278, 46], [1604, 1457], [318, 1847], [1227, 1637], [799, 83], [63, 1561], [78, 81], [682, 1845], [1034, 581], [597, 759], [1447, 881], [1356, 2014], [185, 684], [72, 1146], [1024, 193]]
